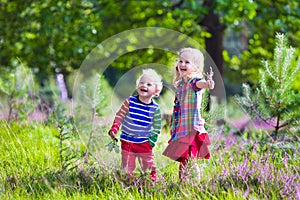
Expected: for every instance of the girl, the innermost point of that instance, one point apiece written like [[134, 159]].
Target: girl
[[189, 139], [140, 118]]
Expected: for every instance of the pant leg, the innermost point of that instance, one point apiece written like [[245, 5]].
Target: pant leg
[[128, 157], [146, 158]]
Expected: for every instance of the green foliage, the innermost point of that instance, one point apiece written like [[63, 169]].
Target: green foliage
[[274, 101], [235, 12], [67, 135], [59, 32], [63, 33], [257, 37], [113, 146], [18, 88]]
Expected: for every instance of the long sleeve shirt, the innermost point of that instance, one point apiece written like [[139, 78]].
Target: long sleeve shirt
[[139, 122]]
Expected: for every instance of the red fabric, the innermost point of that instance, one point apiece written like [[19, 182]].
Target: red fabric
[[141, 151], [193, 145], [120, 115]]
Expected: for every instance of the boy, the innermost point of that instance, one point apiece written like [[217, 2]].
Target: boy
[[140, 118]]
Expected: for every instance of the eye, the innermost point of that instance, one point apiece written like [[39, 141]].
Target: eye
[[149, 84], [141, 83], [187, 62]]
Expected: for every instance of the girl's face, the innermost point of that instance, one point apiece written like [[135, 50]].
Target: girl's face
[[146, 87], [184, 67]]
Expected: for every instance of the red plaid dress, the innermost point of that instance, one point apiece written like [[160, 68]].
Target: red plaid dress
[[189, 139]]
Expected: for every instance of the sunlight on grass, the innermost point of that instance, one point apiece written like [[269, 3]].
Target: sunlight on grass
[[238, 169]]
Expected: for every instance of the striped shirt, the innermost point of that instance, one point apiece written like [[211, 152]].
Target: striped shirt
[[186, 114], [140, 122]]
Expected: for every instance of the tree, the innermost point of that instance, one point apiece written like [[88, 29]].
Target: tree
[[274, 101], [47, 35], [259, 38], [219, 16], [57, 35]]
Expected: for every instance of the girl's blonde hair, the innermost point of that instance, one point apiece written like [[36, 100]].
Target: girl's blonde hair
[[196, 58], [155, 77]]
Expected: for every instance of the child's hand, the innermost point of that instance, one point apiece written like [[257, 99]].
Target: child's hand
[[210, 81], [210, 74], [113, 145], [112, 134], [211, 84]]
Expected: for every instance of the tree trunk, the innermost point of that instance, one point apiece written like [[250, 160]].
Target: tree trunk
[[214, 45]]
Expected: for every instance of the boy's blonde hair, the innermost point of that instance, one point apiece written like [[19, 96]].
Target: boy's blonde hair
[[196, 58], [154, 76]]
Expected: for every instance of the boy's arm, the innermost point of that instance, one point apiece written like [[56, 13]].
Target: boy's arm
[[120, 115], [156, 127]]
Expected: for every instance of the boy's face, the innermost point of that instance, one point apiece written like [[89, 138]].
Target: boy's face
[[146, 87]]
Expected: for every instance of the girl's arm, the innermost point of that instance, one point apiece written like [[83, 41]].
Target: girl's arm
[[156, 127], [120, 115], [205, 84], [209, 83]]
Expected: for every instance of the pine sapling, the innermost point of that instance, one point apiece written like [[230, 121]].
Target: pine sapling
[[274, 100]]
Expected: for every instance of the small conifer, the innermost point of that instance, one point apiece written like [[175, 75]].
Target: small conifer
[[275, 101]]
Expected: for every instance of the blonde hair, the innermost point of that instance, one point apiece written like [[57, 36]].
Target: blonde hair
[[155, 77], [196, 58]]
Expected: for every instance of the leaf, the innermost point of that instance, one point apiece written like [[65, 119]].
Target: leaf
[[109, 146], [3, 87], [113, 146]]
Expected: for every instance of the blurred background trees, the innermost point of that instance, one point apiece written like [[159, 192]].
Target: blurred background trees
[[55, 36]]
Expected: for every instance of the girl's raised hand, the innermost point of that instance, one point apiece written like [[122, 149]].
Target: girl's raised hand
[[210, 81], [210, 74]]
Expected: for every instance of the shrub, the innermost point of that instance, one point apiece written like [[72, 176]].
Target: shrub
[[18, 87]]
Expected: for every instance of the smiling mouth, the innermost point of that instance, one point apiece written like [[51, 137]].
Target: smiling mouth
[[144, 90]]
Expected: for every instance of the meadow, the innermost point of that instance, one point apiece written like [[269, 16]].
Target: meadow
[[88, 53], [41, 160], [69, 155]]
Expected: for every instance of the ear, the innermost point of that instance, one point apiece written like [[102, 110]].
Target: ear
[[157, 91]]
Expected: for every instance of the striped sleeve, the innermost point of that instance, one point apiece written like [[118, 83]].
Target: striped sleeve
[[156, 127], [120, 115]]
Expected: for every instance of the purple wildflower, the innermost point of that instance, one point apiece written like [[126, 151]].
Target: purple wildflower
[[246, 193], [298, 194], [285, 160]]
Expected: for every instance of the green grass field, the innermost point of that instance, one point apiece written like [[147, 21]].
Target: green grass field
[[32, 167]]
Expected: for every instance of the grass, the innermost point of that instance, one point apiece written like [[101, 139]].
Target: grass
[[238, 169]]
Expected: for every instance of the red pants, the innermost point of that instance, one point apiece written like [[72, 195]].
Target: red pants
[[141, 151]]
